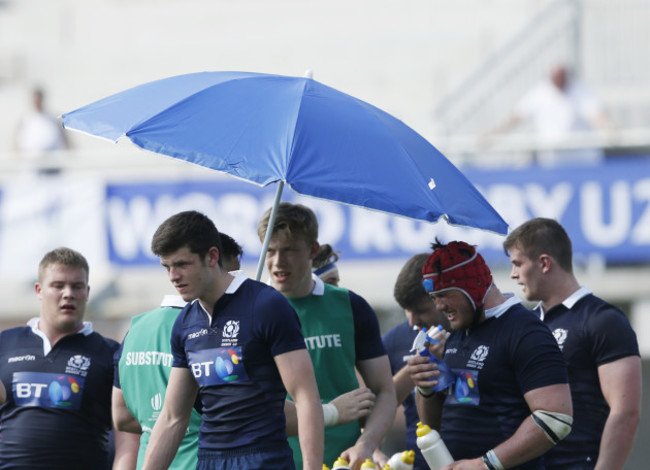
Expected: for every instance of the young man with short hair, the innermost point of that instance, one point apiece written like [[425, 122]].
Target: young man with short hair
[[58, 374], [597, 341], [239, 347], [340, 328], [142, 367], [510, 400], [420, 313]]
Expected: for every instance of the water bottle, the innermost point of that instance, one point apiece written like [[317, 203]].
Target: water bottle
[[368, 464], [402, 460], [432, 447], [446, 377], [341, 464]]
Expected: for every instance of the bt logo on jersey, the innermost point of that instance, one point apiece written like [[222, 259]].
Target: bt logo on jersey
[[28, 390], [47, 390], [200, 369], [217, 366]]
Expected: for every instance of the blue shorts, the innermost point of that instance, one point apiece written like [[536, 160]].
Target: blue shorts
[[267, 457]]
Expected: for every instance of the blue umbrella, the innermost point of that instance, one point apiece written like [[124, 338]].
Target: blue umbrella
[[271, 128]]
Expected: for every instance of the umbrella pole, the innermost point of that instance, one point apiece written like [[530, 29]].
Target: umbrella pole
[[269, 230]]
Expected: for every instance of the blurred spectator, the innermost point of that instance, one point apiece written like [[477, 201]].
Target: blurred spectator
[[39, 134], [557, 110]]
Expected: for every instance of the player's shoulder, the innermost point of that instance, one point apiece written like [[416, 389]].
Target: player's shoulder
[[256, 290], [16, 335], [599, 314], [400, 330], [519, 311], [591, 302], [518, 318], [356, 300], [399, 334], [98, 340], [15, 331]]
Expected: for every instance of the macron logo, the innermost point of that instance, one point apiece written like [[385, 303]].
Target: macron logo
[[26, 357], [197, 334], [432, 184]]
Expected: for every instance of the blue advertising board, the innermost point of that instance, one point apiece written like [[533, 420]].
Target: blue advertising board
[[605, 209]]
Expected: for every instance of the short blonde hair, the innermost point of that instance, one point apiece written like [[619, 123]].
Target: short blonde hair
[[63, 256], [295, 220]]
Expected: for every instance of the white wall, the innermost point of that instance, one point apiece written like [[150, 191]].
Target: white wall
[[398, 55]]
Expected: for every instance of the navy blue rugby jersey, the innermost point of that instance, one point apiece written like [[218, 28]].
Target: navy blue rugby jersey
[[398, 342], [496, 363], [590, 333], [231, 357], [58, 408]]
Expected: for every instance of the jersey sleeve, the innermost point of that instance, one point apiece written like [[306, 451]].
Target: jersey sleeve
[[116, 366], [397, 346], [367, 338], [278, 323], [388, 340], [537, 359], [178, 341], [611, 334]]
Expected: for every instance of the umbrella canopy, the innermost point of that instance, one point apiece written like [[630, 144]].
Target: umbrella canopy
[[270, 128]]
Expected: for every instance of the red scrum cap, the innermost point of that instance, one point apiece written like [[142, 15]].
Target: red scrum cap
[[457, 266]]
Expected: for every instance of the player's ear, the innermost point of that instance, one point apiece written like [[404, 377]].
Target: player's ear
[[212, 256], [545, 261], [313, 251]]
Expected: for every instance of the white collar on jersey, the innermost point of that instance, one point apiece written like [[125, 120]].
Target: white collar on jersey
[[47, 347], [33, 323], [173, 301], [239, 279], [319, 285], [500, 309], [569, 302]]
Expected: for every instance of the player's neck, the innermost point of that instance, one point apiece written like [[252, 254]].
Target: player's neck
[[493, 298], [222, 281], [54, 334], [305, 288], [557, 291]]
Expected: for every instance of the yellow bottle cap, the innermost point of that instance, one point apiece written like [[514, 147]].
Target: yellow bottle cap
[[386, 467], [422, 430], [325, 467], [340, 462], [368, 464], [408, 457]]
